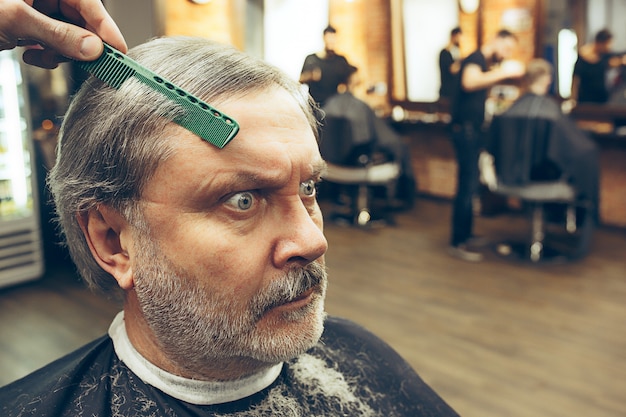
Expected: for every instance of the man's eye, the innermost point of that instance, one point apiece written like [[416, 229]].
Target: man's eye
[[242, 201], [307, 188]]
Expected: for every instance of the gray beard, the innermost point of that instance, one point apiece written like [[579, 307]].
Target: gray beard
[[195, 328]]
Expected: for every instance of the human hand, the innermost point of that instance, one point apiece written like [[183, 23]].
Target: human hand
[[316, 74], [55, 30], [512, 69]]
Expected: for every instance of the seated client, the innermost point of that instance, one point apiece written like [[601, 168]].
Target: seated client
[[554, 147], [534, 141], [368, 128]]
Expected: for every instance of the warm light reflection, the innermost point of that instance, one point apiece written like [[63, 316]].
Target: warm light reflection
[[567, 55], [47, 124], [469, 6]]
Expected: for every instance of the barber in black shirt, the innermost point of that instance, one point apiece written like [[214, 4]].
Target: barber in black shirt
[[479, 72]]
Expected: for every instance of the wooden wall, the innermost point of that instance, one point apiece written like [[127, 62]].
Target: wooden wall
[[220, 20], [364, 36], [519, 16]]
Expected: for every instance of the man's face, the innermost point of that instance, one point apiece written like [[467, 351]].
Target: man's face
[[604, 47], [504, 48], [233, 266], [330, 41], [456, 39]]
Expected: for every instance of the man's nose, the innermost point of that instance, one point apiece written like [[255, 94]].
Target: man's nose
[[300, 236]]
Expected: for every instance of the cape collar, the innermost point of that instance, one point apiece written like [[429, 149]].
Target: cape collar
[[188, 390]]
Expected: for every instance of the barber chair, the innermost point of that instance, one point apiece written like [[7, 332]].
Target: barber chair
[[509, 173], [357, 167]]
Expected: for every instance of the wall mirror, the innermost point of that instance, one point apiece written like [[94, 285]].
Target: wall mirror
[[415, 63], [426, 20], [562, 27]]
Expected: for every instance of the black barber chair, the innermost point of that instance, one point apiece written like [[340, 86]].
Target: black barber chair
[[356, 168], [519, 166]]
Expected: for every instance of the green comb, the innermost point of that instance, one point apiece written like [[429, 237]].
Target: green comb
[[113, 68]]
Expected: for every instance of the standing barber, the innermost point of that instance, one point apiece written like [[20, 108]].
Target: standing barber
[[479, 72]]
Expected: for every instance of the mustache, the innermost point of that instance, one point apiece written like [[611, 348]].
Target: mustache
[[290, 286]]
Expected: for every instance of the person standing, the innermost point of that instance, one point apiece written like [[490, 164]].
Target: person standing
[[323, 71], [592, 67], [450, 64], [479, 72]]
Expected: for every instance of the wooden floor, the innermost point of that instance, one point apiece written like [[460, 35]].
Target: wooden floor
[[494, 339]]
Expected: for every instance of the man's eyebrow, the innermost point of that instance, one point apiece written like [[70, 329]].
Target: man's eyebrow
[[264, 180], [319, 168]]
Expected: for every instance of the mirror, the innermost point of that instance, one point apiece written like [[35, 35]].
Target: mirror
[[432, 20]]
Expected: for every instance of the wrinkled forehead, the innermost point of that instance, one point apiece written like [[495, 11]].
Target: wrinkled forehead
[[272, 125]]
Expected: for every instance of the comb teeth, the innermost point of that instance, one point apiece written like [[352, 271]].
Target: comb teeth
[[113, 68], [109, 68]]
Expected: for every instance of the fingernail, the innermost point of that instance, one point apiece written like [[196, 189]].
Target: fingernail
[[91, 47]]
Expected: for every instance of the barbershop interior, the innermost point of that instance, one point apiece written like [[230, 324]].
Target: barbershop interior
[[530, 322]]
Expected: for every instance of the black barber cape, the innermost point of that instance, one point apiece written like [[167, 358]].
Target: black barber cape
[[533, 132], [349, 372], [367, 127]]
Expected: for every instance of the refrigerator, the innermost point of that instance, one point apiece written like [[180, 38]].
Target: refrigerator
[[21, 252]]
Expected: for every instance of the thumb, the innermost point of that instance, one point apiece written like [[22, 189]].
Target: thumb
[[66, 39]]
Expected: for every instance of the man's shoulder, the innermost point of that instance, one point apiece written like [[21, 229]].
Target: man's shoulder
[[535, 106], [346, 337], [312, 58], [367, 361], [336, 58], [55, 383], [476, 57]]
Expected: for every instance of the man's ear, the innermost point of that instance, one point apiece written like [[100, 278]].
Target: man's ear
[[108, 236]]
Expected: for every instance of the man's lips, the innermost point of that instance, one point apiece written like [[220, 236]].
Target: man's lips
[[304, 295], [300, 301]]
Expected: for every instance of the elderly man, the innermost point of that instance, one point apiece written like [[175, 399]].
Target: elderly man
[[218, 254]]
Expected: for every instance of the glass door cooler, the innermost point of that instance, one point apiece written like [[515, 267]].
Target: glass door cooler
[[21, 254]]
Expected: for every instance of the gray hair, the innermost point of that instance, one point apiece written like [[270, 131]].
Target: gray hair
[[112, 141], [535, 70]]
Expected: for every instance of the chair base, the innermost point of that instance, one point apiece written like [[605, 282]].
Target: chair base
[[357, 184], [356, 205], [364, 218], [522, 252]]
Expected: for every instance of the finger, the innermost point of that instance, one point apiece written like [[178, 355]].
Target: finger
[[44, 58], [7, 45], [66, 39], [26, 42], [94, 17]]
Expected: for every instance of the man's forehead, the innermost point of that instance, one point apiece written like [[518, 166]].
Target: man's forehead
[[273, 129], [272, 115]]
